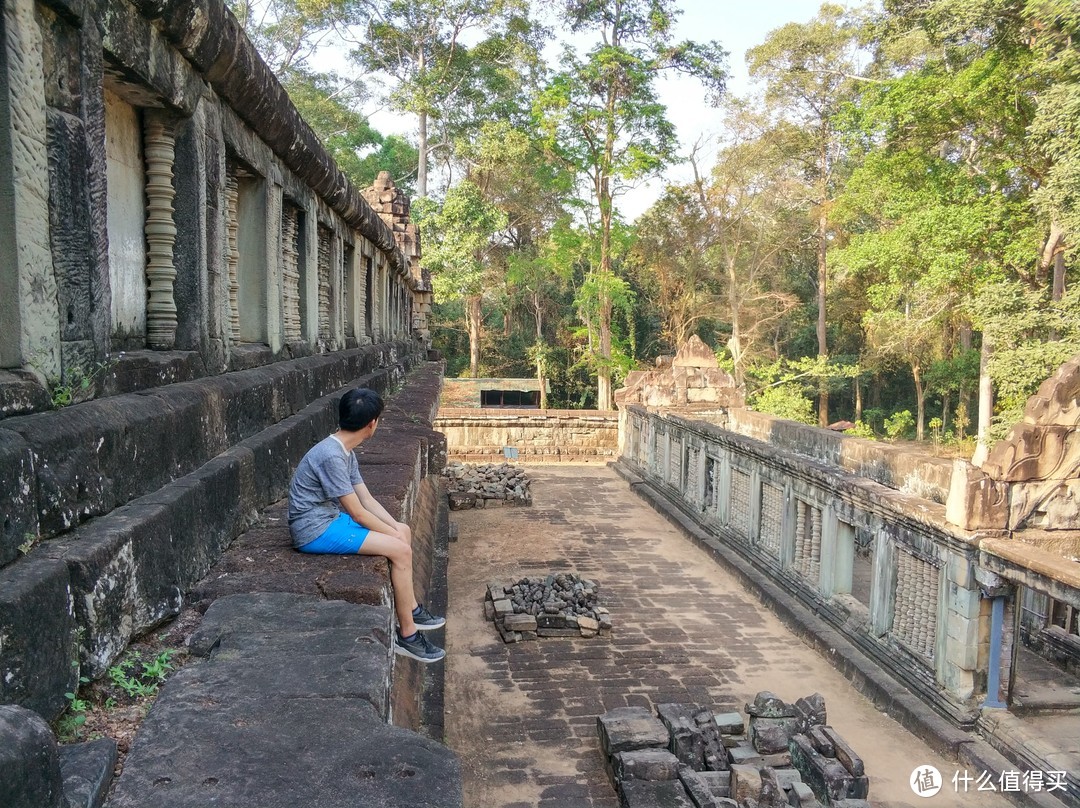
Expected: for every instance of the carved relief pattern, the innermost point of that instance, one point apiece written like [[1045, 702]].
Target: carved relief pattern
[[160, 234], [772, 509], [675, 462], [740, 501], [290, 271], [324, 283], [807, 559], [232, 250], [915, 614]]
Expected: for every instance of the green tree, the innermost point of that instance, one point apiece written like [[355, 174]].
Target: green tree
[[810, 70], [603, 118], [453, 63], [459, 242]]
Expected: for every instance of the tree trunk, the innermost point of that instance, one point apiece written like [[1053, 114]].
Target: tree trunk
[[858, 399], [986, 404], [539, 314], [963, 394], [473, 317], [604, 399], [823, 348], [920, 401]]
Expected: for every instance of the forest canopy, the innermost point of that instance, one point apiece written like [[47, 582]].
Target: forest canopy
[[886, 229]]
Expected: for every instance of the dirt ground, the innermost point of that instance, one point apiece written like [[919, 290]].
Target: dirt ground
[[522, 717]]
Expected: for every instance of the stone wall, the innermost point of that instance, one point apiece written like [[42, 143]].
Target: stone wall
[[160, 196], [140, 494], [545, 436], [884, 566]]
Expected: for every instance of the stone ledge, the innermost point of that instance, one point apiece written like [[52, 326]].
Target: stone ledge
[[88, 459], [289, 710]]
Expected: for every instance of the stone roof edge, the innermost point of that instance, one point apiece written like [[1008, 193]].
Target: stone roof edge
[[213, 41]]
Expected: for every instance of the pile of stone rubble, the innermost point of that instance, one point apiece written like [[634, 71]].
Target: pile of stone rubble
[[689, 757], [559, 605], [473, 486]]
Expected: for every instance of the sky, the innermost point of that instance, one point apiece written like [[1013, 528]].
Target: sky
[[737, 25]]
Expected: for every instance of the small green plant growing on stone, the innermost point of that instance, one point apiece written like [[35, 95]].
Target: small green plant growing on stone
[[861, 430], [78, 382], [139, 679], [30, 540], [70, 725]]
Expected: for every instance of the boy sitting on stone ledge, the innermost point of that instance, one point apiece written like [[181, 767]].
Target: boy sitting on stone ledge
[[328, 476]]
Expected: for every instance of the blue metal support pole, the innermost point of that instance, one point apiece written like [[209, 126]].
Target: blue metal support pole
[[993, 679]]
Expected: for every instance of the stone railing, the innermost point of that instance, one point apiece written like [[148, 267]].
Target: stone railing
[[547, 436], [880, 563]]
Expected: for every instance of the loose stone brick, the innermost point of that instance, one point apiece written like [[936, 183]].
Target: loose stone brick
[[519, 622], [503, 607], [645, 764], [771, 735], [729, 723], [845, 754], [769, 705], [654, 794], [821, 742], [802, 796], [828, 778], [687, 742], [744, 754], [811, 711], [745, 782], [628, 728]]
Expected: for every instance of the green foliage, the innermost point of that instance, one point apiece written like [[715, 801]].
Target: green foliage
[[70, 726], [862, 430], [139, 678], [899, 424], [785, 401]]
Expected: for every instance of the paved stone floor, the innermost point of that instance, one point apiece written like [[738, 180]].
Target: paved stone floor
[[522, 717]]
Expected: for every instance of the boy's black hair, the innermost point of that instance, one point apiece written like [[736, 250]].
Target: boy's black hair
[[358, 408]]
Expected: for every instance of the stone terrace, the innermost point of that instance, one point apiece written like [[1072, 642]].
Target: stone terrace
[[523, 717]]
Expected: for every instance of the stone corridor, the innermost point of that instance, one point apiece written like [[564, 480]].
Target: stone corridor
[[522, 717]]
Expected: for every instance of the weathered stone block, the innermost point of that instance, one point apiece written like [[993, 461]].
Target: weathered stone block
[[744, 754], [769, 705], [551, 621], [687, 741], [802, 796], [503, 608], [771, 735], [519, 622], [828, 778], [811, 711], [745, 782], [653, 794], [558, 632], [845, 754], [729, 723], [18, 492], [628, 728], [87, 770], [645, 764], [29, 761], [821, 742], [38, 627]]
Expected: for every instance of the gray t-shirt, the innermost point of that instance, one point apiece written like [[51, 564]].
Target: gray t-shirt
[[326, 473]]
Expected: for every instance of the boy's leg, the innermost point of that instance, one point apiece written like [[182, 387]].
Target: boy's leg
[[401, 575]]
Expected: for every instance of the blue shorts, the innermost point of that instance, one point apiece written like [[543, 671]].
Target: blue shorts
[[342, 537]]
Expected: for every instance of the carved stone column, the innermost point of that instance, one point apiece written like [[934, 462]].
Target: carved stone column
[[232, 251], [160, 233]]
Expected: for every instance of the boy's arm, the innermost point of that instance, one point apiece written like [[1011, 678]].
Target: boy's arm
[[368, 501], [366, 517]]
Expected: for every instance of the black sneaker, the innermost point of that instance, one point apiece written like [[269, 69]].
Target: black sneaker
[[426, 621], [419, 648]]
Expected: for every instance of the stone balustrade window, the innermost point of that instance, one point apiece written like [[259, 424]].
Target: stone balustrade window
[[349, 291], [915, 612], [807, 557], [772, 517], [292, 284], [325, 287], [740, 502]]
